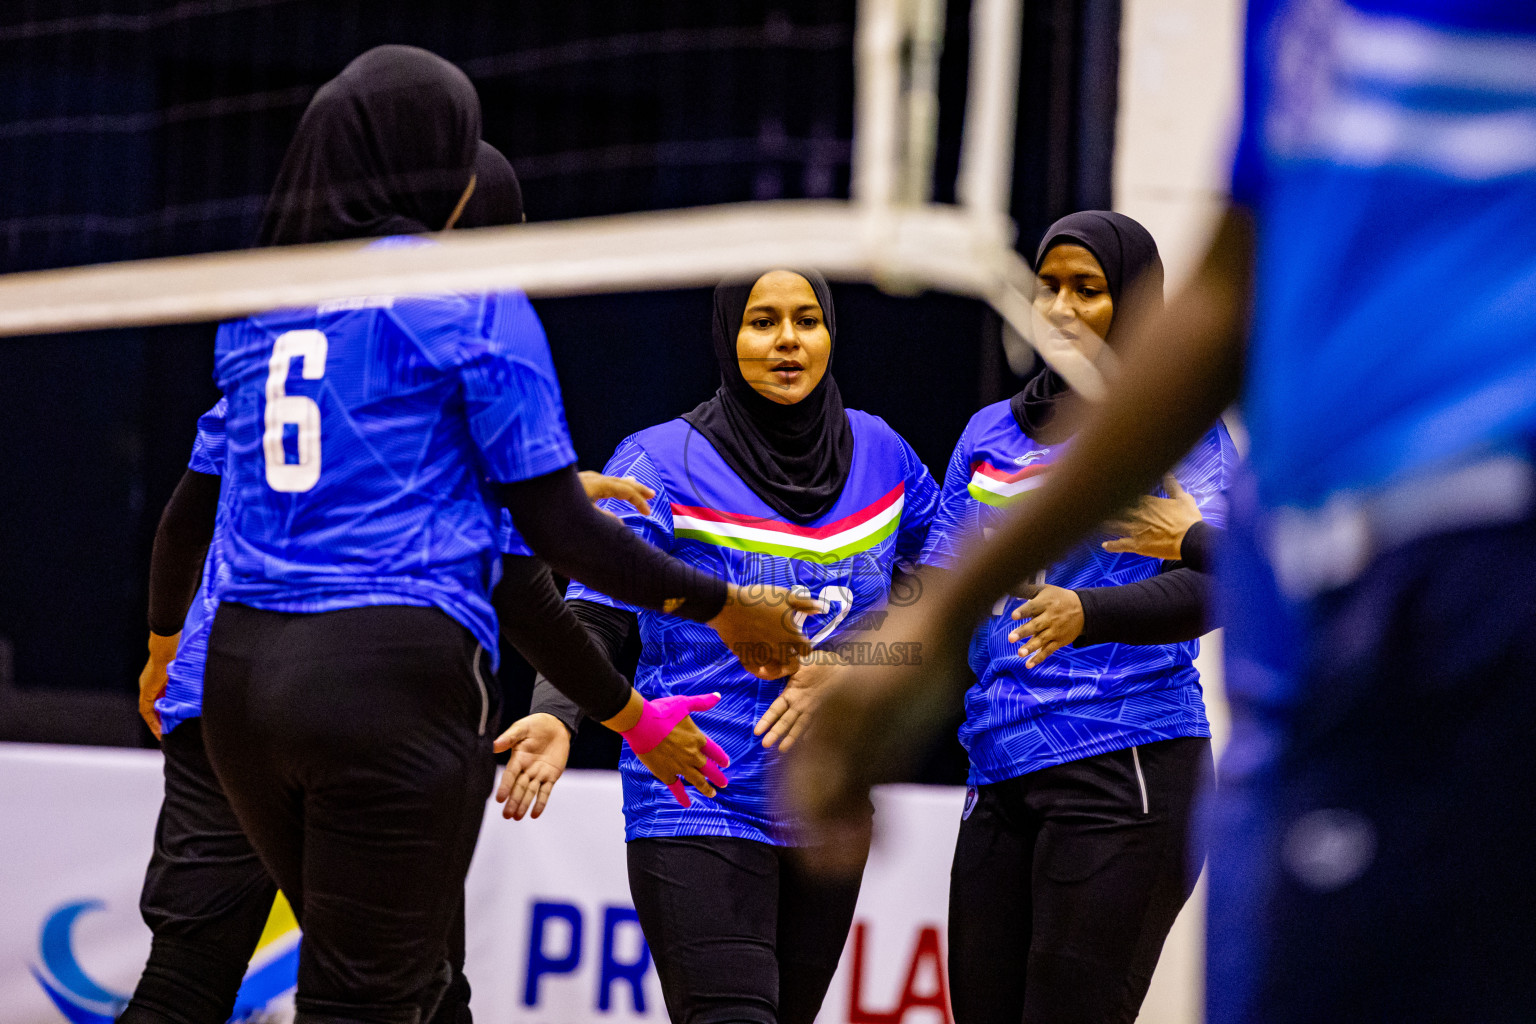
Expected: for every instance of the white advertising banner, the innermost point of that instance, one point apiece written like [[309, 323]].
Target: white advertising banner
[[563, 945], [552, 934]]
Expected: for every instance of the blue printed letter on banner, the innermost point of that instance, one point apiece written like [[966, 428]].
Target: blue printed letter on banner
[[540, 962]]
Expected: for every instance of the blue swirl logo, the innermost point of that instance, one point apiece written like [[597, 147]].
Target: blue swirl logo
[[78, 997], [83, 1001]]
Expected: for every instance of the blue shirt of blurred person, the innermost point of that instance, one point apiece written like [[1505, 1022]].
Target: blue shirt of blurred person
[[1388, 153]]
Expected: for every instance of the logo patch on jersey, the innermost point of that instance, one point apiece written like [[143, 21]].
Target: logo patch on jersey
[[1024, 460], [1001, 487], [833, 542], [356, 302]]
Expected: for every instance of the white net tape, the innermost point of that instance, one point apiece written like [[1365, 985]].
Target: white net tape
[[887, 235]]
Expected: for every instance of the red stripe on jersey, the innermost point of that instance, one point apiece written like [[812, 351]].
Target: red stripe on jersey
[[759, 523]]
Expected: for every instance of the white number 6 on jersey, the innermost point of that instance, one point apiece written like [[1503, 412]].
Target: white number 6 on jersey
[[309, 347]]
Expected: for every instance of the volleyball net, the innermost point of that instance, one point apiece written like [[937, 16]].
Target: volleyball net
[[889, 233]]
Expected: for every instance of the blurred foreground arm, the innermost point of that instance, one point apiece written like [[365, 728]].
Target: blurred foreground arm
[[1178, 372]]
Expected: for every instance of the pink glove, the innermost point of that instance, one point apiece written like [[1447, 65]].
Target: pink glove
[[657, 720]]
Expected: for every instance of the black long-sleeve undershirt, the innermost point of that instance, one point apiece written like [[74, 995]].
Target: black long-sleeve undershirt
[[573, 648], [1170, 607], [558, 521], [181, 545], [1198, 549], [537, 621], [607, 629]]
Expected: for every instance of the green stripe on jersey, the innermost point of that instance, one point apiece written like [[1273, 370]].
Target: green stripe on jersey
[[994, 499], [791, 551]]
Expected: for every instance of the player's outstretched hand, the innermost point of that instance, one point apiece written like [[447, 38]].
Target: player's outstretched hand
[[870, 723], [540, 746], [791, 711], [623, 488], [1055, 619], [676, 751], [1155, 526], [152, 681], [758, 624]]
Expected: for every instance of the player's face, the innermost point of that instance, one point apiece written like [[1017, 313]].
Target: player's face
[[783, 345], [1073, 298]]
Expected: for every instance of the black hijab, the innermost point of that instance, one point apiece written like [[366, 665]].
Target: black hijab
[[795, 457], [1128, 255], [498, 198], [384, 148]]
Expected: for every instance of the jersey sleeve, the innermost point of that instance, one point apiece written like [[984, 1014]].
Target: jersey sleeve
[[947, 532], [511, 394], [1207, 473], [919, 507], [209, 447], [630, 459], [508, 540]]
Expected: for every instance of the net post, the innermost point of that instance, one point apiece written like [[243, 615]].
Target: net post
[[897, 47], [876, 127], [926, 34], [986, 149]]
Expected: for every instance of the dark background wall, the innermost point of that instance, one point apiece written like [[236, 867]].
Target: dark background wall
[[151, 128]]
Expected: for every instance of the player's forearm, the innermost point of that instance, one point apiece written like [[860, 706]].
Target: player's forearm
[[181, 545], [538, 622], [608, 628], [555, 517], [1198, 550], [1168, 608], [1177, 375]]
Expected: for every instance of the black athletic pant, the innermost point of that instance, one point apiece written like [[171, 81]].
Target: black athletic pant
[[206, 895], [353, 747], [739, 930], [1066, 882]]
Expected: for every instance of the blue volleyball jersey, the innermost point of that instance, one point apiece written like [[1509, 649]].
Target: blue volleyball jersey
[[361, 436], [183, 697], [1388, 152], [508, 540], [1081, 701], [705, 515]]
